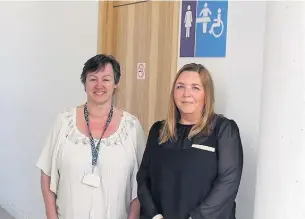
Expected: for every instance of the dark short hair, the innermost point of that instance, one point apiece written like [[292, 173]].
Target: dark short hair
[[99, 62]]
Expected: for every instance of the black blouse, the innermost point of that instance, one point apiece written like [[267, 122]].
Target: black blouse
[[197, 178]]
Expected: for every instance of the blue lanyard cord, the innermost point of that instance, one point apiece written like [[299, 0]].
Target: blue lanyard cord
[[95, 150]]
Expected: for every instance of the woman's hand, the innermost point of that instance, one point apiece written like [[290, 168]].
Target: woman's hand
[[54, 216], [134, 212], [48, 197]]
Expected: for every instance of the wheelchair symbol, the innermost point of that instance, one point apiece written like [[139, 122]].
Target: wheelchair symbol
[[218, 23], [217, 33]]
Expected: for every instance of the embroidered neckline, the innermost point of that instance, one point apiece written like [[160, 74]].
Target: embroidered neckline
[[76, 136]]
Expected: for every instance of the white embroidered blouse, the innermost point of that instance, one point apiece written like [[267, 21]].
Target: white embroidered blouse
[[66, 157]]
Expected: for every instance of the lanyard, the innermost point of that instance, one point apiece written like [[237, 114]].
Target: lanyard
[[95, 150]]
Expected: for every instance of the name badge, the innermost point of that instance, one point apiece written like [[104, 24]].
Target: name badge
[[203, 147], [91, 179]]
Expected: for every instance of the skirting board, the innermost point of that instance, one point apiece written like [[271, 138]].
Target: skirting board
[[13, 211]]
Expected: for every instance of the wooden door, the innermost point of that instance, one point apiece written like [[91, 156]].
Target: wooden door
[[142, 32]]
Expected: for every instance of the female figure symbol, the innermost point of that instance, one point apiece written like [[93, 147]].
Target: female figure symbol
[[188, 19]]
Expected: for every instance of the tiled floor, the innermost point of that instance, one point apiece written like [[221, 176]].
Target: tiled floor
[[4, 214]]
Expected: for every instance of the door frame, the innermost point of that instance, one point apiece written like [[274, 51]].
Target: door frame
[[105, 27]]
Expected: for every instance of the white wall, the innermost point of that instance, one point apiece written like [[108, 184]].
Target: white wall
[[43, 46], [238, 83], [280, 187]]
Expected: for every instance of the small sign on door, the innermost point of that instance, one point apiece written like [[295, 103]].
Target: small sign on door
[[141, 69]]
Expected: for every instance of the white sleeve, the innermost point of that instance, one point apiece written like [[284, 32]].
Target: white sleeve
[[47, 159], [141, 139]]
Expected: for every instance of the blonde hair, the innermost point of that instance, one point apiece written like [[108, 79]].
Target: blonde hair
[[168, 130]]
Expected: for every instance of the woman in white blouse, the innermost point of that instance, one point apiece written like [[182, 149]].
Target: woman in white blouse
[[93, 152]]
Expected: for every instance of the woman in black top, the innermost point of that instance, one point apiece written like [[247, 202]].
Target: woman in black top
[[193, 161]]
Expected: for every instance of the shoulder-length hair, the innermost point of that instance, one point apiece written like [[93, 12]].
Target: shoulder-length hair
[[204, 126]]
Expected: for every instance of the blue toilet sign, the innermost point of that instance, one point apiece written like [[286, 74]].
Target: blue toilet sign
[[203, 29]]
